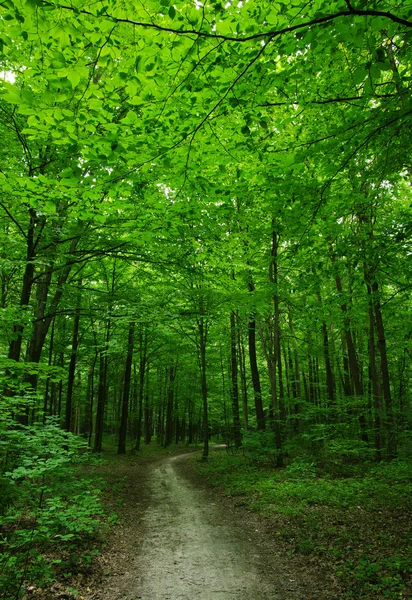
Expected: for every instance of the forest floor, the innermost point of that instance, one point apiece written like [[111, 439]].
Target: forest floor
[[235, 528], [179, 539]]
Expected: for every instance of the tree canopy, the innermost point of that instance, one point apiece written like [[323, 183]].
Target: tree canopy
[[227, 187]]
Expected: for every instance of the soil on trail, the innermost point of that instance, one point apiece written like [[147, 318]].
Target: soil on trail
[[181, 541]]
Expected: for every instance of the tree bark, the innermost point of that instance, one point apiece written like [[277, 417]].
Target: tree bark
[[142, 370], [260, 415], [72, 366], [126, 391], [101, 392], [242, 369], [353, 362], [203, 381], [169, 405], [237, 438]]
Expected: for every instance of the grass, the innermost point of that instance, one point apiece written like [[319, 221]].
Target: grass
[[359, 524]]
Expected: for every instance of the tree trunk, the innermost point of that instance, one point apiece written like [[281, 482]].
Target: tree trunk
[[386, 389], [203, 381], [148, 414], [297, 387], [274, 362], [353, 362], [27, 285], [260, 415], [72, 366], [101, 393], [126, 391], [242, 368], [142, 370], [169, 405], [46, 408], [237, 438]]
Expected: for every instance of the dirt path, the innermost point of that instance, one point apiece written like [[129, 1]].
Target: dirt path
[[191, 551], [181, 542]]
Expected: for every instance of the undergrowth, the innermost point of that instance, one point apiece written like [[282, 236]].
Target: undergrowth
[[51, 517], [355, 519]]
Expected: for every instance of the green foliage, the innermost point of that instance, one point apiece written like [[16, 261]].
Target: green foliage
[[49, 513], [152, 153], [360, 524], [259, 445]]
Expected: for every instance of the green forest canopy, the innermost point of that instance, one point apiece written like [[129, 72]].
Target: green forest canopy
[[206, 221]]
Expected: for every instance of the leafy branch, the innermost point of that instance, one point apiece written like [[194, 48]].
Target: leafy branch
[[239, 39]]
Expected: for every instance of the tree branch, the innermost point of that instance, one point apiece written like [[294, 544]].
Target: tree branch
[[256, 36], [17, 224], [329, 100]]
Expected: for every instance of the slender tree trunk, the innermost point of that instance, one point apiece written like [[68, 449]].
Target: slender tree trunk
[[142, 370], [353, 362], [148, 414], [203, 381], [101, 392], [237, 438], [42, 322], [169, 405], [242, 368], [386, 389], [126, 391], [298, 390], [72, 366], [260, 415], [273, 361], [46, 408], [89, 402], [27, 285], [330, 381], [373, 375], [282, 406], [271, 365]]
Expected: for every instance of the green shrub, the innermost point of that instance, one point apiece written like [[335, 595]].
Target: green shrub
[[48, 513]]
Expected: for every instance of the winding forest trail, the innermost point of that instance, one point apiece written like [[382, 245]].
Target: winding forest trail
[[188, 544]]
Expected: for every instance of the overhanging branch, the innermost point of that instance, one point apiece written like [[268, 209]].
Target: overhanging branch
[[262, 35]]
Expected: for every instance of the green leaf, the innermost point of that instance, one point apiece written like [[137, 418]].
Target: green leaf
[[74, 78], [172, 12], [359, 75]]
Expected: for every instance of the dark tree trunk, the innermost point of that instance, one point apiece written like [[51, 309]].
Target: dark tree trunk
[[169, 405], [282, 406], [126, 391], [42, 322], [373, 377], [190, 433], [46, 408], [148, 418], [89, 403], [386, 389], [353, 362], [330, 381], [101, 393], [203, 381], [142, 370], [27, 285], [297, 386], [237, 438], [260, 416], [242, 370], [72, 367], [276, 402]]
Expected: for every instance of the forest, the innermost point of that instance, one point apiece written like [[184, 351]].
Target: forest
[[205, 236]]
